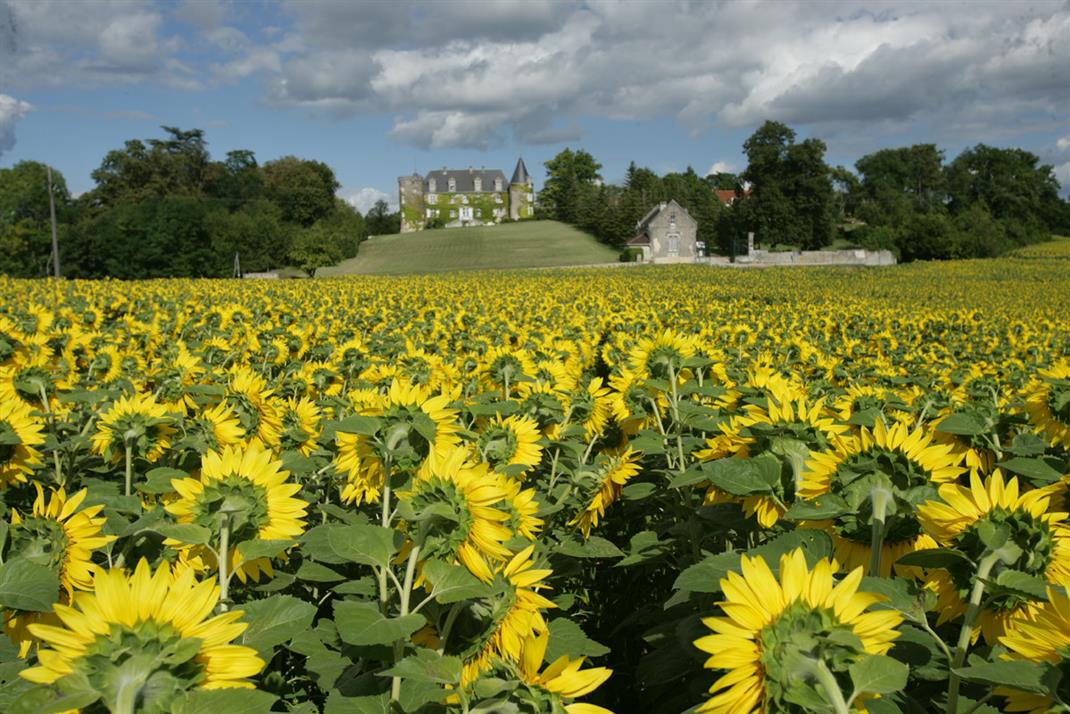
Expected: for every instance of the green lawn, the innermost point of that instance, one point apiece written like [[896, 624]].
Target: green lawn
[[530, 244]]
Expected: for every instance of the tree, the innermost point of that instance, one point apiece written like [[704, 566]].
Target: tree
[[165, 167], [25, 233], [380, 221], [792, 200], [566, 174], [303, 189], [723, 181], [313, 248], [236, 181], [914, 171]]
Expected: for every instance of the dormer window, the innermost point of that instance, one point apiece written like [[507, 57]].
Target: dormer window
[[497, 184], [432, 186], [479, 184], [453, 184]]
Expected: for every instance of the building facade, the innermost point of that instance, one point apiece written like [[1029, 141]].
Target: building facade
[[465, 197], [667, 234]]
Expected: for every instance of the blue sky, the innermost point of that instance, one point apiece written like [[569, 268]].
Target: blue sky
[[377, 90]]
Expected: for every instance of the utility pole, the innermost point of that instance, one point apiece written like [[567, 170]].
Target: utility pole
[[55, 236], [237, 265]]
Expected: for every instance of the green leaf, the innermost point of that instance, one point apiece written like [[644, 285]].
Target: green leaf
[[595, 547], [821, 508], [1023, 584], [185, 533], [696, 473], [231, 701], [313, 572], [878, 674], [275, 620], [638, 491], [28, 586], [252, 549], [961, 425], [355, 424], [361, 623], [69, 693], [705, 576], [453, 583], [1027, 444], [1033, 469], [567, 638], [427, 666], [935, 558], [1017, 674], [364, 543], [744, 477], [158, 480]]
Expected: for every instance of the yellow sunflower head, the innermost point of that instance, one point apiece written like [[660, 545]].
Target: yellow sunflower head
[[889, 470], [661, 356], [1048, 404], [257, 410], [1042, 634], [246, 492], [144, 630], [416, 425], [778, 632], [458, 512], [968, 519], [564, 679], [300, 425], [20, 432], [603, 484], [511, 445], [137, 423]]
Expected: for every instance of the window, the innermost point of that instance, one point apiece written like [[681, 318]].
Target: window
[[453, 184], [497, 198], [430, 213], [674, 245], [432, 198], [479, 184], [431, 186], [453, 213], [497, 184], [531, 197], [479, 213]]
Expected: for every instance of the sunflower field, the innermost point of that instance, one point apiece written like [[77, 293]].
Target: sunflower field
[[647, 490]]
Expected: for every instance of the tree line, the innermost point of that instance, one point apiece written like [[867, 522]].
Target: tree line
[[909, 200], [165, 208]]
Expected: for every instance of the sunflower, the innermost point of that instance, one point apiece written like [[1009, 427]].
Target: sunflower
[[894, 467], [477, 532], [255, 405], [20, 432], [358, 461], [591, 407], [1041, 634], [563, 677], [516, 613], [959, 520], [1048, 404], [57, 534], [246, 489], [789, 425], [148, 627], [522, 507], [139, 423], [511, 445], [503, 367], [613, 470], [661, 356], [300, 425], [770, 622], [214, 428]]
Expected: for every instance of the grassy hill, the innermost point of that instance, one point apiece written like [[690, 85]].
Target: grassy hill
[[530, 244]]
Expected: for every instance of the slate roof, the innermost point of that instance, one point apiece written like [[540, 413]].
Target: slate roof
[[465, 180], [520, 173], [641, 226]]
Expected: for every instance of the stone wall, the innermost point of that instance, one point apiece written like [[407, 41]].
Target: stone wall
[[818, 257], [411, 203]]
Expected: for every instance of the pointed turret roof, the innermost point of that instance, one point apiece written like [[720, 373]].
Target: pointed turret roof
[[520, 173]]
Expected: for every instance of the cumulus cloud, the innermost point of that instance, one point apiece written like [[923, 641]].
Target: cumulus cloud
[[364, 198], [11, 111], [1063, 144], [722, 167]]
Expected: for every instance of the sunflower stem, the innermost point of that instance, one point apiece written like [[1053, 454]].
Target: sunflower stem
[[676, 418], [52, 427], [451, 617], [406, 593], [223, 558], [879, 497], [973, 609], [129, 466], [827, 680]]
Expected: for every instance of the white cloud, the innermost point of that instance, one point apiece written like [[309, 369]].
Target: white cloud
[[1063, 144], [1062, 173], [722, 167], [11, 111], [364, 198]]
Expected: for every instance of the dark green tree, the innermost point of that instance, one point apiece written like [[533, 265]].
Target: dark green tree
[[565, 174], [380, 221], [303, 189]]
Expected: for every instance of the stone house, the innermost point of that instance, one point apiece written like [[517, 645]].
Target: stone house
[[667, 234], [465, 197]]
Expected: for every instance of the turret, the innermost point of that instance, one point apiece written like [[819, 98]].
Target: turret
[[411, 203], [521, 193]]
